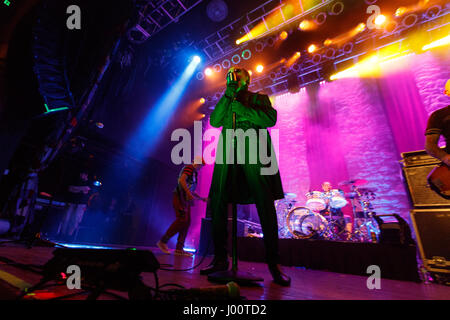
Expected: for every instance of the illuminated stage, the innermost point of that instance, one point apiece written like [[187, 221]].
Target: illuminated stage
[[101, 120], [307, 284]]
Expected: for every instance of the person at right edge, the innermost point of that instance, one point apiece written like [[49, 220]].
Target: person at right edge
[[439, 124], [252, 111]]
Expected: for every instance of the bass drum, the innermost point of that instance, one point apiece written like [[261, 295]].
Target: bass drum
[[304, 223]]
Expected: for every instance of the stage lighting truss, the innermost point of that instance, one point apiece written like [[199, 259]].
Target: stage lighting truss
[[309, 67], [155, 15], [222, 43]]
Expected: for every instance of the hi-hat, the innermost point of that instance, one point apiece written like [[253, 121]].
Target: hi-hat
[[367, 190]]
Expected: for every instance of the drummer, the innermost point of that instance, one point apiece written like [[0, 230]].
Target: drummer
[[344, 221]]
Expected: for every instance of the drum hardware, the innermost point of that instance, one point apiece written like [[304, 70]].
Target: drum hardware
[[305, 222], [336, 198], [282, 207], [316, 200], [365, 228]]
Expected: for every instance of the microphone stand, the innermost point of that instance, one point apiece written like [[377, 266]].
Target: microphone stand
[[242, 278]]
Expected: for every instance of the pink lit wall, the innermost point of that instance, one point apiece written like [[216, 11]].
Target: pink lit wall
[[354, 129]]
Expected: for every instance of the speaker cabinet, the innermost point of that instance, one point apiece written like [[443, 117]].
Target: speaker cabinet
[[419, 189], [432, 231], [417, 166]]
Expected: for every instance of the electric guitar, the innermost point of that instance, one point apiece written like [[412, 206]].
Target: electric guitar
[[439, 180]]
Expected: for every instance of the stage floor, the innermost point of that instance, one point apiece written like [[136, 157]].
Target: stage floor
[[306, 284]]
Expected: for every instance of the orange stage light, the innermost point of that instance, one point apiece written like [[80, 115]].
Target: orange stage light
[[307, 25], [283, 35], [312, 48], [202, 100], [259, 68], [380, 20]]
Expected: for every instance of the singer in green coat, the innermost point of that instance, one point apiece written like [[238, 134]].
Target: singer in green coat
[[251, 159]]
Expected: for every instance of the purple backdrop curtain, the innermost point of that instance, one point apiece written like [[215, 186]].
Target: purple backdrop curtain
[[325, 156], [404, 109]]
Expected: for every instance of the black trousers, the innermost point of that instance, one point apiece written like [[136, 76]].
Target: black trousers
[[264, 201]]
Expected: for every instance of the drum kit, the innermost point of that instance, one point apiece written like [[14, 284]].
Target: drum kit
[[321, 217]]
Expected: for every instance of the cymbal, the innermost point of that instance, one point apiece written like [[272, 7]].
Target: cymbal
[[364, 190], [355, 182], [290, 195]]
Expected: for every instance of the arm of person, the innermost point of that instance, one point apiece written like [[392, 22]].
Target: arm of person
[[183, 184], [432, 148], [220, 111], [262, 114], [199, 197]]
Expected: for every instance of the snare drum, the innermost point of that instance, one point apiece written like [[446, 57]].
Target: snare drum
[[316, 200], [337, 199]]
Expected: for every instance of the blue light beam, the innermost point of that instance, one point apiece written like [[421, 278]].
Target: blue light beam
[[146, 137]]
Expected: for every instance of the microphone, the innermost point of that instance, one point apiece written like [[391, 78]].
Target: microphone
[[223, 292]]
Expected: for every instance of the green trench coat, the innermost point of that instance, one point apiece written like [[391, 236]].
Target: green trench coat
[[254, 113]]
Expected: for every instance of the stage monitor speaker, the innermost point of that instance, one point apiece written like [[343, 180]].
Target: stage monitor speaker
[[394, 232], [432, 228], [417, 166], [114, 269]]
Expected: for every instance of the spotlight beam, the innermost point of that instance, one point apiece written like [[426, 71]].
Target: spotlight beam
[[438, 43], [149, 132]]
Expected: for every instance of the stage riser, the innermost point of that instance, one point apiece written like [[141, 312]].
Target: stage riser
[[395, 261]]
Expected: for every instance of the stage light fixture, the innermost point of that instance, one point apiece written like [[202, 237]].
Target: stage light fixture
[[433, 11], [259, 46], [208, 72], [250, 72], [400, 11], [360, 27], [317, 58], [321, 17], [202, 100], [312, 48], [410, 20], [217, 67], [259, 68], [246, 54], [283, 35], [380, 20], [200, 76], [337, 8], [328, 42], [236, 59], [196, 59], [293, 59], [306, 25]]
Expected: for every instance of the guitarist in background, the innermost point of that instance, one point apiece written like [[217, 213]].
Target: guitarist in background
[[183, 195], [439, 124]]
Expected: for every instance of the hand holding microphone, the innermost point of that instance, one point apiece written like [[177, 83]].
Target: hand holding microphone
[[232, 83]]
